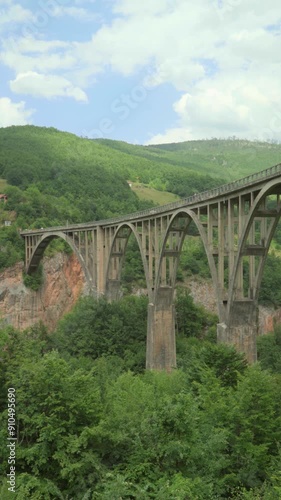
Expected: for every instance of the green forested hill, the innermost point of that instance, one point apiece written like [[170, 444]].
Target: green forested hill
[[62, 164], [59, 178], [88, 178], [92, 174], [229, 159]]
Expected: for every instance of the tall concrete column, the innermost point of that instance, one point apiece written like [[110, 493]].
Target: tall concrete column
[[101, 261], [161, 344], [241, 328], [113, 291]]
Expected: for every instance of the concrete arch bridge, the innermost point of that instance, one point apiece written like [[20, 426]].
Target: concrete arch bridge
[[236, 223]]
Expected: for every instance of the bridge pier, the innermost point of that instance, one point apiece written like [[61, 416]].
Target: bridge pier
[[241, 328], [113, 291], [161, 343]]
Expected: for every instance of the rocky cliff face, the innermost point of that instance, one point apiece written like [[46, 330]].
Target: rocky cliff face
[[63, 284], [203, 293]]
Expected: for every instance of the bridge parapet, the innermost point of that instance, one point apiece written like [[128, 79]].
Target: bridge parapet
[[194, 200]]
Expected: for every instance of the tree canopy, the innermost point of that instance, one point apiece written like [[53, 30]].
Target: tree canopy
[[91, 423]]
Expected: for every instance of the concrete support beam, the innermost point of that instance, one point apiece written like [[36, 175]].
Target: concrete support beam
[[113, 291], [241, 328], [161, 344], [101, 262]]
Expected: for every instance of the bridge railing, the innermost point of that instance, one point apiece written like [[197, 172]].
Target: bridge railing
[[204, 195], [195, 198]]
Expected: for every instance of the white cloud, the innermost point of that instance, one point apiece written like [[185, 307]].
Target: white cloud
[[178, 134], [78, 13], [31, 44], [27, 54], [12, 113], [13, 14], [224, 60], [83, 2], [46, 86], [137, 8], [224, 107]]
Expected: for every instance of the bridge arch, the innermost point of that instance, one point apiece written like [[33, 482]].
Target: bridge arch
[[249, 246], [172, 247], [43, 243], [116, 259]]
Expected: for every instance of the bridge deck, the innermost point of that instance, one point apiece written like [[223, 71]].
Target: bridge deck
[[199, 198]]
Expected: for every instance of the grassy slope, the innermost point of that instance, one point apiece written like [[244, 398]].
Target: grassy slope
[[144, 192]]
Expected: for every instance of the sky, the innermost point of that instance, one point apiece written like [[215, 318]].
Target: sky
[[143, 71]]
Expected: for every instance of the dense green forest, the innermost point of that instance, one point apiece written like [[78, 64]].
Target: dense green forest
[[226, 159], [91, 423]]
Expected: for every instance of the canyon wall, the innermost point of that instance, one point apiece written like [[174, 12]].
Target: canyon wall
[[203, 293], [22, 307], [64, 283]]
